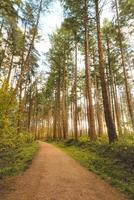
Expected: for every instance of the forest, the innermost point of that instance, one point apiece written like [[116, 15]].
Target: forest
[[83, 99]]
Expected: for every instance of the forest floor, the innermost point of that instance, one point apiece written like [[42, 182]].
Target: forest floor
[[54, 175]]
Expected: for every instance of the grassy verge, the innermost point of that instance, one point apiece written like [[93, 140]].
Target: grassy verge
[[114, 163], [17, 159]]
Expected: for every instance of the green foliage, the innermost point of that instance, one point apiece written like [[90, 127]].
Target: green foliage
[[5, 100], [16, 155], [16, 150], [7, 119], [113, 163], [127, 10]]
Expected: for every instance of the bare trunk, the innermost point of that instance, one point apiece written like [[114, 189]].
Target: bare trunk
[[127, 89], [29, 111], [108, 116], [64, 104], [75, 97], [19, 110], [99, 111], [90, 110], [117, 110]]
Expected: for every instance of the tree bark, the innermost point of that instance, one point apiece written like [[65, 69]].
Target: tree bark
[[108, 116], [90, 110], [127, 89], [75, 97]]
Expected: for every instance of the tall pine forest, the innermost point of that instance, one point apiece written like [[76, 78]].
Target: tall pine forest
[[86, 88]]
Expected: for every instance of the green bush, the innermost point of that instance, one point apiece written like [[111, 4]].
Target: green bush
[[16, 151], [17, 160]]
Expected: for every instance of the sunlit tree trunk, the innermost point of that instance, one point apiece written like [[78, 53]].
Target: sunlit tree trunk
[[98, 97], [127, 89], [64, 104], [75, 97], [90, 110], [108, 116], [117, 110], [29, 111], [55, 117], [20, 111]]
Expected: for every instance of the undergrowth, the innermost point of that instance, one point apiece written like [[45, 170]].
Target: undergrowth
[[16, 155], [114, 163]]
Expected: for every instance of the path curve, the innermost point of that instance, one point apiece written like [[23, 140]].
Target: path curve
[[53, 175]]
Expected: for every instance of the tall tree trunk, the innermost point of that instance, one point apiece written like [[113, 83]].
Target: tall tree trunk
[[19, 111], [59, 105], [108, 116], [64, 104], [90, 110], [117, 110], [48, 125], [55, 118], [75, 97], [36, 114], [72, 119], [29, 111], [127, 89], [99, 111]]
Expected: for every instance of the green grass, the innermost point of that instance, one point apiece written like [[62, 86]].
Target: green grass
[[17, 160], [114, 163]]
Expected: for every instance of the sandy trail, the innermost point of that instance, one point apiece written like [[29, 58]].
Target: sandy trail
[[53, 175]]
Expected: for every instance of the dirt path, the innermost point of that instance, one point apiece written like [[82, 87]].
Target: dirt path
[[55, 176]]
